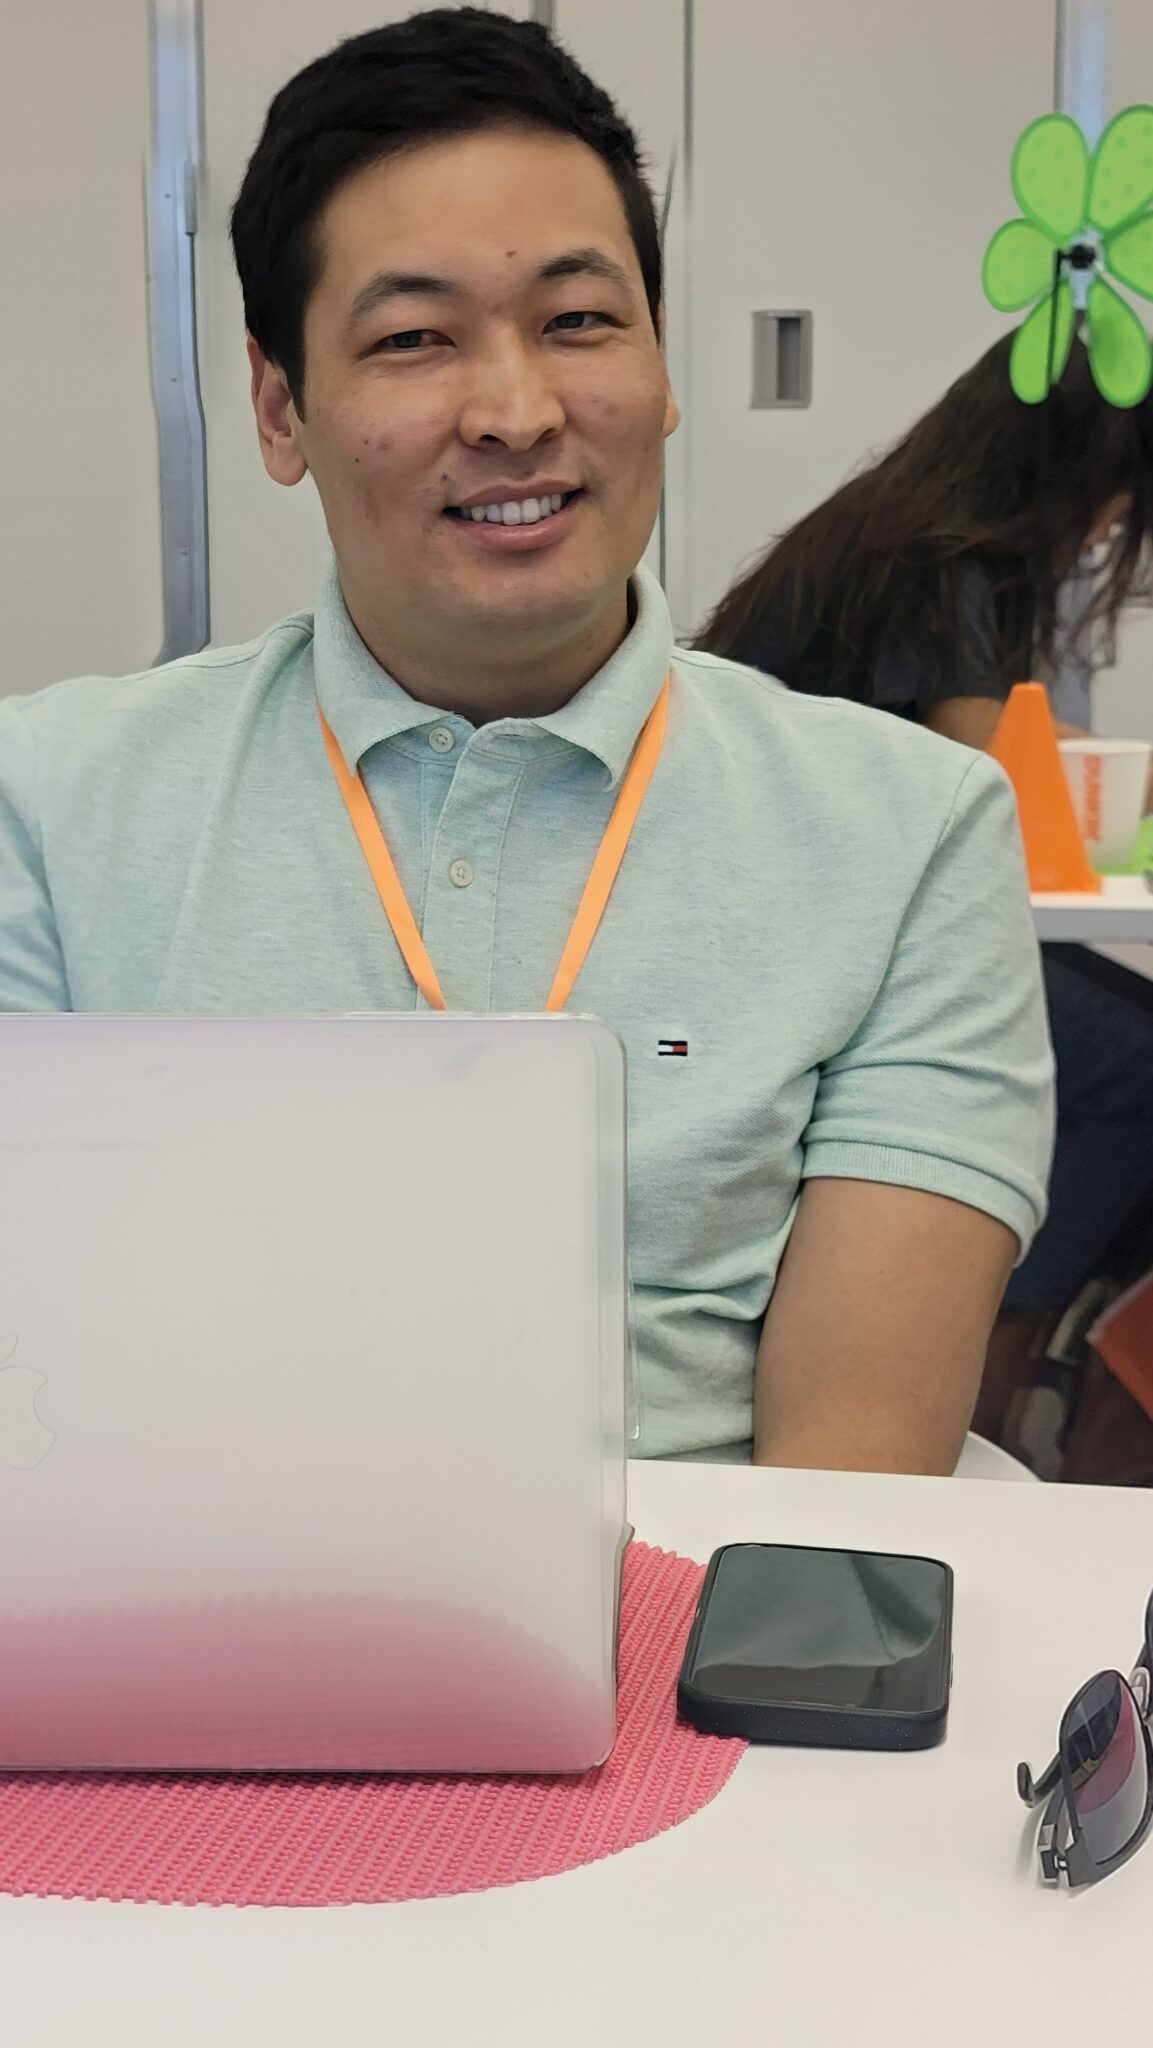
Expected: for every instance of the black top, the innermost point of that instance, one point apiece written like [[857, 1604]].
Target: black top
[[899, 677]]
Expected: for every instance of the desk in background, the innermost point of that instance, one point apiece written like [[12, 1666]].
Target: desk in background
[[1122, 912]]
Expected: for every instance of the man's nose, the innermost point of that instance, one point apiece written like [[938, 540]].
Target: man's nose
[[511, 399]]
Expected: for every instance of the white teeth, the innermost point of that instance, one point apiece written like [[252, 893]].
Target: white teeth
[[525, 512]]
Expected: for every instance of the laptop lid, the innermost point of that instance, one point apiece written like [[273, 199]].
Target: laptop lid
[[312, 1391]]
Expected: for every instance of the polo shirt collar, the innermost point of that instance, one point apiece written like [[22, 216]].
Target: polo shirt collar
[[364, 705], [605, 718]]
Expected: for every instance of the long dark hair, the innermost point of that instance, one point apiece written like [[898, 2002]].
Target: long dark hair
[[880, 556]]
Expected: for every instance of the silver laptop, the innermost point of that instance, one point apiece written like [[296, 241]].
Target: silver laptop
[[312, 1392]]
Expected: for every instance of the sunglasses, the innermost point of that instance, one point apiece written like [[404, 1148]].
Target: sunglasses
[[1099, 1786]]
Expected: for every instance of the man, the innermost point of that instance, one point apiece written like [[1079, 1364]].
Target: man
[[838, 1064]]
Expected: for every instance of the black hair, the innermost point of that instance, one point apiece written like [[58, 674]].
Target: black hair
[[450, 71]]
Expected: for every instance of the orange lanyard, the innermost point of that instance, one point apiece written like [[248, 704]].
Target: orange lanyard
[[598, 888]]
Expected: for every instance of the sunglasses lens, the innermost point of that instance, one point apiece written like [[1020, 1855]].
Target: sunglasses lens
[[1103, 1750]]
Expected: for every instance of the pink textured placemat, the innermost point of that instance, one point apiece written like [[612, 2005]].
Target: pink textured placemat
[[341, 1841]]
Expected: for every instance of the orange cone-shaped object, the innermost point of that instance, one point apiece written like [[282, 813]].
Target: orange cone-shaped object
[[1025, 743]]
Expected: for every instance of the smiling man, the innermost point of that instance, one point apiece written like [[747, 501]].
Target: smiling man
[[484, 499], [818, 948]]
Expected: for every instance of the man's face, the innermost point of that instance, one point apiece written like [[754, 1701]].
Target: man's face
[[479, 335]]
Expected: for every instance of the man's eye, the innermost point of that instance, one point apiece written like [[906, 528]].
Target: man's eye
[[407, 343], [569, 323]]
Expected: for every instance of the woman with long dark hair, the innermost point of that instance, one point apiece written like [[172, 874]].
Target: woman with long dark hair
[[996, 543], [990, 533]]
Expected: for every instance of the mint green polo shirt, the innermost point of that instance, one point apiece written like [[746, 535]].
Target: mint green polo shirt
[[825, 905]]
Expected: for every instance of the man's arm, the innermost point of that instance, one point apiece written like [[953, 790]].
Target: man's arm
[[924, 1163], [875, 1335]]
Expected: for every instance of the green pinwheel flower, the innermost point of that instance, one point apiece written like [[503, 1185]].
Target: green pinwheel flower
[[1087, 218]]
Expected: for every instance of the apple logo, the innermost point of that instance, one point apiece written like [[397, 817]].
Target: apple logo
[[24, 1440]]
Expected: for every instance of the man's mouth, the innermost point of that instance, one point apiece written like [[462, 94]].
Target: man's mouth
[[514, 511]]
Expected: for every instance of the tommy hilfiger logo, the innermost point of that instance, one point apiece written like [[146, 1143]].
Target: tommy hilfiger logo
[[673, 1048]]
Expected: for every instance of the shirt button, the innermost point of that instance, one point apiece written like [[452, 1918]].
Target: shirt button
[[441, 740], [460, 874]]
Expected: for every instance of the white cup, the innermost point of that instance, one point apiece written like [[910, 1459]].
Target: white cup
[[1107, 779]]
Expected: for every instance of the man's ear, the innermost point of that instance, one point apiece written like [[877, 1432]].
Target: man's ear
[[672, 410], [672, 417], [277, 420]]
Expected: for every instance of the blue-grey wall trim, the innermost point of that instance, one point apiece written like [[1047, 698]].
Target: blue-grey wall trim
[[176, 44]]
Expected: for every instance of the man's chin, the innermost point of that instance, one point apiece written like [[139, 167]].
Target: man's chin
[[514, 619]]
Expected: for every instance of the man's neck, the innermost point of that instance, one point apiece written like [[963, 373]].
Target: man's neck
[[528, 683]]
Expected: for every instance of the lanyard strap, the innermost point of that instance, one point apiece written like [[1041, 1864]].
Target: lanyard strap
[[598, 888]]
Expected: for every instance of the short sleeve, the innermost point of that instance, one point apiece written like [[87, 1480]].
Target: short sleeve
[[905, 672], [32, 972], [946, 1085]]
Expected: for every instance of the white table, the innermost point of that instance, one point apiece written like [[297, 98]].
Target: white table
[[1123, 911], [824, 1897]]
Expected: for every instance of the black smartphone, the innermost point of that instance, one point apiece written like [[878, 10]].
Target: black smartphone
[[848, 1648]]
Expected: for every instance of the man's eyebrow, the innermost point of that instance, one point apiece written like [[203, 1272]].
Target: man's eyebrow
[[586, 263], [399, 284], [420, 284]]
